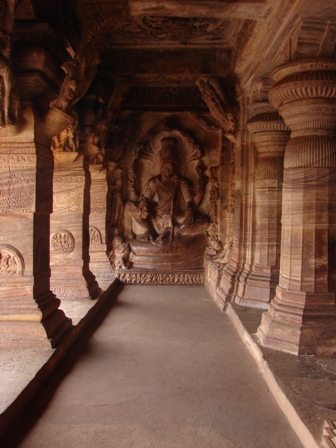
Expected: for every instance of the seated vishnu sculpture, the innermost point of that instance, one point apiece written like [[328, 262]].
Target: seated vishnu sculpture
[[160, 214]]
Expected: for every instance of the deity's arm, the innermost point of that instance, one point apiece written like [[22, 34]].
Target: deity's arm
[[187, 196], [146, 196]]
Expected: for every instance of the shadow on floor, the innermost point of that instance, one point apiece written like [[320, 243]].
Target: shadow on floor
[[31, 414]]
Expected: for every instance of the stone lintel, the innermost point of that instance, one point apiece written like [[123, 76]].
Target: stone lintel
[[172, 62], [241, 9]]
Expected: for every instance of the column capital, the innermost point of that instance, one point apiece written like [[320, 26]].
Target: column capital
[[269, 133], [305, 94]]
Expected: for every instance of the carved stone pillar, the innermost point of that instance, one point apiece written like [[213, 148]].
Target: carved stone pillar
[[270, 135], [301, 319], [228, 280], [66, 238], [99, 262], [26, 166]]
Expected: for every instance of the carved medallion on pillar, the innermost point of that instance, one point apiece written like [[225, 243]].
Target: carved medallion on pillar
[[301, 318], [270, 135]]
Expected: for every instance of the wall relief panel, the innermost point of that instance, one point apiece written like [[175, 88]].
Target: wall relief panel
[[17, 191], [63, 242], [95, 237], [68, 198], [11, 261], [163, 203]]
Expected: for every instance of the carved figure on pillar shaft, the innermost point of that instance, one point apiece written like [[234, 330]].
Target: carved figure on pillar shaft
[[67, 140], [203, 180], [214, 247], [219, 105], [301, 318], [115, 206], [10, 108], [214, 194], [79, 75]]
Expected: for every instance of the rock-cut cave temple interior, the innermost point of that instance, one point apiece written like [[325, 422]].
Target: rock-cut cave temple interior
[[169, 143]]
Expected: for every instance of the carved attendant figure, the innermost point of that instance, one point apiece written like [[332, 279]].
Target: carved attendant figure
[[120, 253], [10, 110]]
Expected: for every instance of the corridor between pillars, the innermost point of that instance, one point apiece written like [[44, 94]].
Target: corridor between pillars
[[301, 318]]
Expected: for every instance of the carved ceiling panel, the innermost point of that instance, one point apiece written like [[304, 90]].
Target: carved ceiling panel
[[185, 97], [159, 30]]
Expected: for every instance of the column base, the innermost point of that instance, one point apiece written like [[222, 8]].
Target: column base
[[75, 290], [225, 289], [213, 273], [257, 290], [301, 326], [54, 321], [94, 289], [101, 269]]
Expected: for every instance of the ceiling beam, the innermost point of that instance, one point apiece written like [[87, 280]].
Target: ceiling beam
[[241, 9]]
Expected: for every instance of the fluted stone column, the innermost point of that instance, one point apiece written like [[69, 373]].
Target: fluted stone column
[[99, 262], [301, 319], [270, 135]]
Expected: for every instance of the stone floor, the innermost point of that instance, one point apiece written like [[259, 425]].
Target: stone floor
[[164, 367]]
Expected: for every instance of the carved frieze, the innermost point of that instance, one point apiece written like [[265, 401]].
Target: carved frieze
[[16, 160], [63, 242], [70, 293], [169, 278], [164, 30], [187, 96], [11, 261], [16, 191], [17, 147], [99, 206], [69, 200]]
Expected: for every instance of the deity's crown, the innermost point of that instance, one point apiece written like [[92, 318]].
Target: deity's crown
[[168, 150]]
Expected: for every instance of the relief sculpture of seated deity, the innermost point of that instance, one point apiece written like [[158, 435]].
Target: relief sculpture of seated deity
[[165, 210]]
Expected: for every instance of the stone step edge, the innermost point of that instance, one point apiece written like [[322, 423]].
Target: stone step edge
[[301, 430]]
